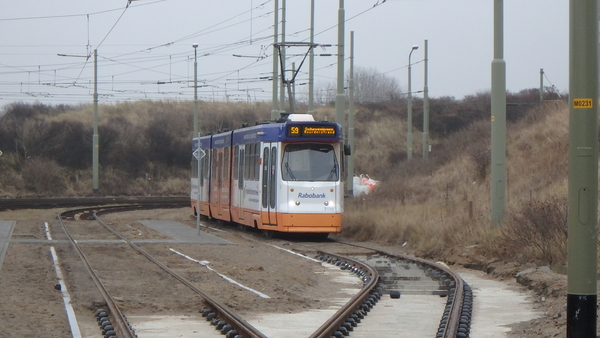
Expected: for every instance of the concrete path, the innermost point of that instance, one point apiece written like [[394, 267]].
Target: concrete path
[[6, 229], [497, 305], [183, 233]]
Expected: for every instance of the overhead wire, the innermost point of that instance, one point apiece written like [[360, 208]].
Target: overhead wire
[[180, 57], [102, 41], [201, 32], [546, 77], [250, 65], [323, 31], [220, 48], [75, 15]]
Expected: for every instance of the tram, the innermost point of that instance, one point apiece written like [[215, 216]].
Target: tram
[[283, 176]]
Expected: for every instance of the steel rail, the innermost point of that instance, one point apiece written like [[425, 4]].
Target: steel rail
[[450, 330], [243, 328], [452, 315], [333, 323], [118, 317]]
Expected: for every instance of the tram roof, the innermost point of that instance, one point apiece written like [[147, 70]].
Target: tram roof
[[270, 132]]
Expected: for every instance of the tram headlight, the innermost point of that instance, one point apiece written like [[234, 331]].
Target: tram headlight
[[292, 203], [326, 203]]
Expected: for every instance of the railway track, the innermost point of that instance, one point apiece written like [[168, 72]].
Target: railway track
[[399, 274], [374, 269], [384, 273], [224, 319], [229, 323]]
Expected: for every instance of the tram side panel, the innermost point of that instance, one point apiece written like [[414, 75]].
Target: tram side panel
[[251, 198], [200, 176], [225, 189], [237, 181], [245, 185], [205, 185], [270, 183], [219, 178]]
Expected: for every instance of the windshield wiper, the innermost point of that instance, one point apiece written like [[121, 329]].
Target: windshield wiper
[[333, 172], [289, 171]]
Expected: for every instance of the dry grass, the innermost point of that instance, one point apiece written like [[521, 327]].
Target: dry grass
[[432, 210], [431, 207]]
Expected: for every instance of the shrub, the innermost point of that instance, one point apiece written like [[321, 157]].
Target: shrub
[[537, 231], [480, 154], [44, 177]]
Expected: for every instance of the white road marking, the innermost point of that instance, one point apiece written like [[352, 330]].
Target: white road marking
[[205, 263]]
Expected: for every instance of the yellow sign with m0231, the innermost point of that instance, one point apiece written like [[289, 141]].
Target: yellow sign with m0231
[[583, 103]]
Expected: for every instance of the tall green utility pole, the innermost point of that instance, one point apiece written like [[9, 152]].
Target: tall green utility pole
[[95, 161], [275, 103], [195, 132], [340, 99], [541, 84], [311, 66], [282, 58], [409, 138], [426, 106], [583, 169], [350, 179], [498, 183]]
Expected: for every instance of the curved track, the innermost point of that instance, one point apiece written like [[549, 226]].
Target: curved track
[[455, 320], [457, 316]]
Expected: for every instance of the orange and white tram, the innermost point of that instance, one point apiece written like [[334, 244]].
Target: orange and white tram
[[282, 177]]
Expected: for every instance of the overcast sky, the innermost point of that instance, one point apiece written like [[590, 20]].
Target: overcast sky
[[145, 51]]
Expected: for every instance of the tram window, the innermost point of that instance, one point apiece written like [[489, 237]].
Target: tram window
[[250, 162], [250, 155], [194, 168], [205, 167], [256, 164], [253, 167], [213, 160], [219, 170], [241, 168], [226, 155], [202, 170], [245, 165], [235, 161], [309, 162]]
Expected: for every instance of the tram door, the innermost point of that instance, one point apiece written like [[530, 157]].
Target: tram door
[[269, 183], [217, 183], [225, 184]]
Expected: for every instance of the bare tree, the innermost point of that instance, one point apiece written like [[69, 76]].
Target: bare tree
[[370, 86]]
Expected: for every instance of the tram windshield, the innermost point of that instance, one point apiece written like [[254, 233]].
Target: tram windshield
[[309, 162]]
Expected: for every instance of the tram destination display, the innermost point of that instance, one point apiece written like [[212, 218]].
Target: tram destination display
[[311, 130]]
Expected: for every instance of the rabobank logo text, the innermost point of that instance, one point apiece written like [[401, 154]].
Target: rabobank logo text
[[311, 195]]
